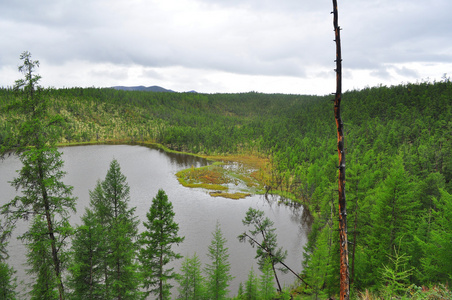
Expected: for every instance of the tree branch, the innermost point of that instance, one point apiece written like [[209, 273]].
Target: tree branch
[[253, 241]]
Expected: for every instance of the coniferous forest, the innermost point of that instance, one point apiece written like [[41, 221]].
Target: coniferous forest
[[398, 185]]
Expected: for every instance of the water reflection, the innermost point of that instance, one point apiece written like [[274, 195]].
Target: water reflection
[[185, 161], [147, 170]]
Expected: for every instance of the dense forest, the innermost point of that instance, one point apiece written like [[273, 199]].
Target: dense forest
[[399, 166]]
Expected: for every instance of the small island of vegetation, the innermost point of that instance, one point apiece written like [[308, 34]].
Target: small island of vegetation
[[399, 178]]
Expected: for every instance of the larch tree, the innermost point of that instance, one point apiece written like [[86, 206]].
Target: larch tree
[[191, 281], [115, 227], [7, 280], [252, 286], [436, 263], [218, 271], [39, 261], [44, 198], [268, 247], [88, 265], [156, 247], [266, 284], [393, 216]]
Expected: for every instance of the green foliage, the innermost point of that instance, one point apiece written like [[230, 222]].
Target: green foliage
[[396, 170], [395, 274], [440, 291], [105, 244], [240, 292], [40, 261], [267, 248], [218, 272], [192, 285], [7, 282], [436, 262], [392, 216], [44, 196], [40, 180], [88, 265], [251, 286], [156, 243], [396, 137], [321, 262], [267, 289]]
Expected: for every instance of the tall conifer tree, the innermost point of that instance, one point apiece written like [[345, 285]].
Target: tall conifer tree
[[157, 241], [266, 284], [105, 246], [191, 281], [44, 196], [268, 246], [218, 272], [7, 281], [39, 260], [88, 261], [252, 286], [393, 216]]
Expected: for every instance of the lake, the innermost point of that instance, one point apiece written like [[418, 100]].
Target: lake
[[148, 170]]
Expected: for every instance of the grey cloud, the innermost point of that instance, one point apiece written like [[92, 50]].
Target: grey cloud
[[407, 72], [151, 73], [397, 32], [119, 74], [382, 73], [288, 6], [254, 37]]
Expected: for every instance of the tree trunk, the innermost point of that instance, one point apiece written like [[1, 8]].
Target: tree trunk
[[161, 275], [276, 277], [344, 268], [56, 261]]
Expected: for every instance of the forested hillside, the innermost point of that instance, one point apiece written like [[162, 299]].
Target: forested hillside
[[398, 153]]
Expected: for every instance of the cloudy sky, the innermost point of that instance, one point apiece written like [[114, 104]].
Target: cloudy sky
[[278, 46]]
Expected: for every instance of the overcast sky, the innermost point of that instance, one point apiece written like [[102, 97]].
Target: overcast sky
[[226, 46]]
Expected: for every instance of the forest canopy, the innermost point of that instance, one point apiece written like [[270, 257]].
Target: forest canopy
[[399, 163]]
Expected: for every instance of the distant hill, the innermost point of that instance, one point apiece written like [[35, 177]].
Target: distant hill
[[153, 88]]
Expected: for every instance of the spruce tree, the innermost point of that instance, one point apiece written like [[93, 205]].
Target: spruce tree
[[218, 272], [156, 252]]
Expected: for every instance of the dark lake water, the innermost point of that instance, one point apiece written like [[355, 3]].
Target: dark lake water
[[148, 170]]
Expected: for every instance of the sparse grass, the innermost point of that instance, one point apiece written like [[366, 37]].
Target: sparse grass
[[436, 292], [251, 161], [234, 196], [232, 170], [209, 177]]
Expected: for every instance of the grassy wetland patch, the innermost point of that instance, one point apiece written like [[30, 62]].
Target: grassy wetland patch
[[231, 178]]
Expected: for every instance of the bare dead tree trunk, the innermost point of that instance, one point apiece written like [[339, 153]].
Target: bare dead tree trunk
[[344, 268]]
